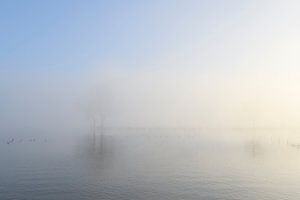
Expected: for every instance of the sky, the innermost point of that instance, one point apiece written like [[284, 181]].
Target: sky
[[51, 35], [160, 63]]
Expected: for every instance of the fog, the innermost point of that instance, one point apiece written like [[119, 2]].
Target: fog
[[234, 69], [149, 99], [162, 97]]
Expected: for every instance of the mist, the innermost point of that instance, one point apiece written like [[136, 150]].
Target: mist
[[141, 100], [230, 70], [163, 97]]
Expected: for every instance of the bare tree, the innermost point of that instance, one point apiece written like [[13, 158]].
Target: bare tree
[[98, 108]]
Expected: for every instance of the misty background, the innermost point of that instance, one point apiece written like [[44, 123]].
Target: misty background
[[213, 64]]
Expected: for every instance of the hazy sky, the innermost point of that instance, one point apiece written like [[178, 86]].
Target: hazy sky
[[74, 35], [163, 63]]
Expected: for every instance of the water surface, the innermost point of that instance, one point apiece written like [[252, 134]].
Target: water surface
[[153, 164]]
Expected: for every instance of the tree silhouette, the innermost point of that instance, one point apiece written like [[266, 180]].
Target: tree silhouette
[[98, 108]]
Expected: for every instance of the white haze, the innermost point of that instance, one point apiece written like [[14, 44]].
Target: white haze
[[157, 98], [245, 75]]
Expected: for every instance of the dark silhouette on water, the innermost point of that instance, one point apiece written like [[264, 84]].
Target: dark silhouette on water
[[295, 146], [10, 141]]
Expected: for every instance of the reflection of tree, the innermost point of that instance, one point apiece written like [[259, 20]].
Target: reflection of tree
[[254, 148], [95, 155]]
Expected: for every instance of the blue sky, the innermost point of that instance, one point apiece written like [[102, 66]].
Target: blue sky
[[68, 35]]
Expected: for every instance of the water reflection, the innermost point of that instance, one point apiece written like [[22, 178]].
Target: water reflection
[[254, 148], [153, 164]]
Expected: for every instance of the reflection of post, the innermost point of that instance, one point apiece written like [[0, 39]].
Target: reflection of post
[[101, 132], [94, 131], [254, 148], [97, 131], [94, 127]]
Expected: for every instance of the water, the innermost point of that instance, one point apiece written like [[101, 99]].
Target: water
[[153, 164]]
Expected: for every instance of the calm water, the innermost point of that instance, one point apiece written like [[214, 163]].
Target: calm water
[[153, 164]]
